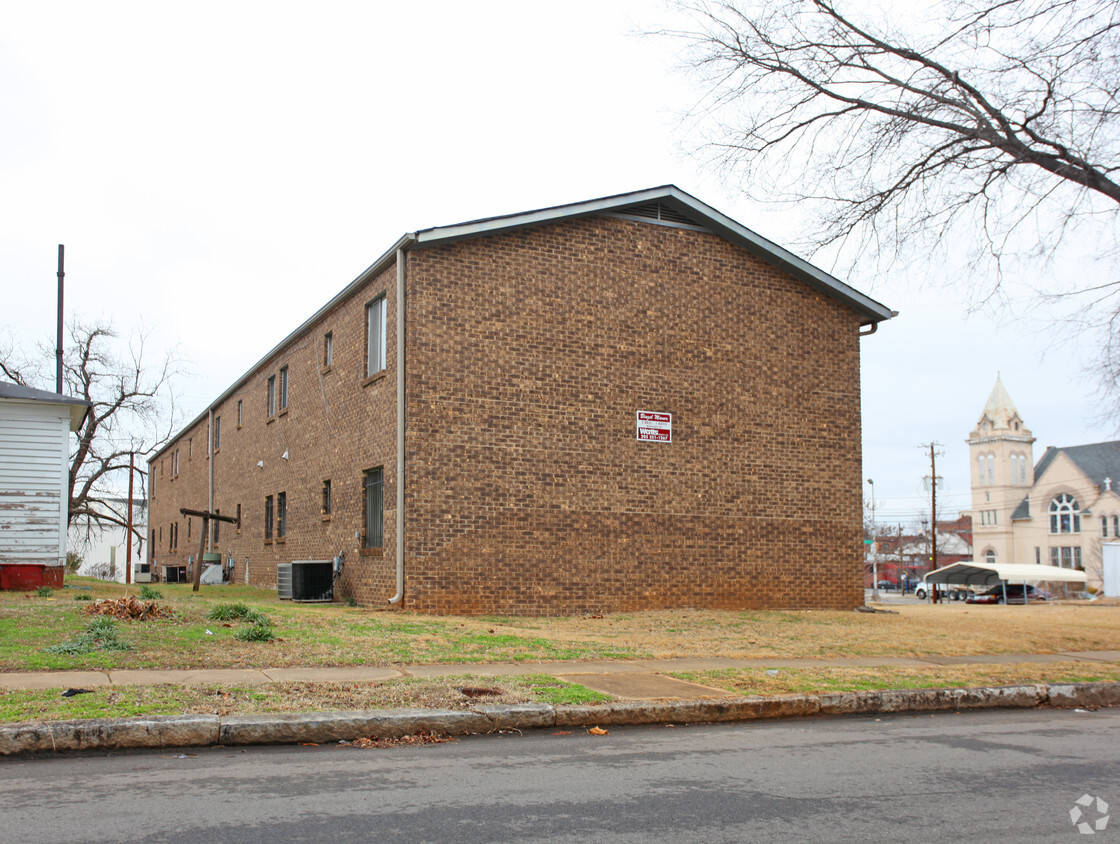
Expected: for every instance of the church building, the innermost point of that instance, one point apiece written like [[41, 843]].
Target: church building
[[1057, 512]]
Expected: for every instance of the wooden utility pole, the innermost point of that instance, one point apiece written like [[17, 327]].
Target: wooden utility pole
[[128, 529], [202, 534]]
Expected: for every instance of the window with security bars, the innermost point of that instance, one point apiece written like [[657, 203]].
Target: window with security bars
[[374, 508], [268, 515]]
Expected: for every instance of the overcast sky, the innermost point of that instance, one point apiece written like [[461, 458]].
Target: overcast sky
[[218, 171]]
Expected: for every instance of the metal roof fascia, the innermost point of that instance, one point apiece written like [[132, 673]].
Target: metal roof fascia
[[373, 269], [723, 225]]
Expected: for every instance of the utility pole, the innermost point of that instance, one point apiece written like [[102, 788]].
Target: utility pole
[[58, 344], [932, 446], [128, 530], [874, 548]]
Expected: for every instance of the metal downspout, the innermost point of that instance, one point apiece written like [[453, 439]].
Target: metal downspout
[[401, 254], [210, 463]]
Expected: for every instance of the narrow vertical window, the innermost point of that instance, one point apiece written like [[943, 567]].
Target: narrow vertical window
[[240, 415], [281, 515], [375, 336], [239, 519], [1037, 556], [991, 469], [326, 507], [283, 388], [1116, 526], [217, 432], [216, 526], [271, 396], [1104, 525], [328, 349], [374, 507], [980, 460], [268, 517]]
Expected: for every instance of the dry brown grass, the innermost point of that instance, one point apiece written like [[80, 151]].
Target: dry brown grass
[[916, 630]]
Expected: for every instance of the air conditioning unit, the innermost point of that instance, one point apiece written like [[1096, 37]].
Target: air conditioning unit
[[284, 581], [141, 573], [313, 581]]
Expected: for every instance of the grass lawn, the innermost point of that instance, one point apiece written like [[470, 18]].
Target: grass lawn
[[44, 632]]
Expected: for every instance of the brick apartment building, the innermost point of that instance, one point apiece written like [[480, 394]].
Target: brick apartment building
[[533, 343]]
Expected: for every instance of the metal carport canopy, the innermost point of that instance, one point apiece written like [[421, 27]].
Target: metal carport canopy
[[987, 574]]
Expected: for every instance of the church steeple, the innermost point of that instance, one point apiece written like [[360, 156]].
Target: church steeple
[[1001, 453], [999, 414]]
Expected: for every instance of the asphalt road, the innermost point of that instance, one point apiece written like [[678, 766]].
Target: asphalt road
[[984, 776]]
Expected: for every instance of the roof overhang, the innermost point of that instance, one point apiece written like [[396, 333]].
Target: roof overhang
[[970, 573], [684, 203], [19, 393]]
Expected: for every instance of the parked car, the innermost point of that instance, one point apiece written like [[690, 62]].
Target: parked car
[[886, 584], [954, 593], [1014, 595]]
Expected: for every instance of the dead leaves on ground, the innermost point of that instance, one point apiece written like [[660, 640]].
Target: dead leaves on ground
[[420, 738], [130, 608]]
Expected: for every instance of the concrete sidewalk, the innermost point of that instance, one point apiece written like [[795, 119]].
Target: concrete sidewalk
[[644, 695], [625, 679]]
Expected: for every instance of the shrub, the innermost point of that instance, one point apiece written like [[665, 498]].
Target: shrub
[[259, 632], [44, 591], [150, 593], [232, 612], [83, 596], [100, 635]]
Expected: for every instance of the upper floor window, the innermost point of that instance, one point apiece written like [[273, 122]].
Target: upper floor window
[[1104, 525], [375, 336], [1116, 526], [1065, 514], [217, 432], [271, 396], [989, 556], [240, 416], [328, 349], [326, 506], [283, 388]]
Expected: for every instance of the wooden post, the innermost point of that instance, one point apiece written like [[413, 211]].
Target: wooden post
[[128, 529], [203, 534]]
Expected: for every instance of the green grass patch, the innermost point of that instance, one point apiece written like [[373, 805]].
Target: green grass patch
[[256, 633], [101, 635], [428, 693]]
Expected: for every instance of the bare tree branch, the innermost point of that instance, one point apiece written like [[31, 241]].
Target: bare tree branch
[[132, 411]]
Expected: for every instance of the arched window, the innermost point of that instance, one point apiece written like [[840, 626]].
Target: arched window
[[989, 556], [1104, 525], [1116, 526], [983, 471], [1065, 514]]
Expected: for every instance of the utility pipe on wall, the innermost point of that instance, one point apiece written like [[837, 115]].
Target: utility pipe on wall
[[401, 255]]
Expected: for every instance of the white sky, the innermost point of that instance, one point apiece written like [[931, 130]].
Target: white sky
[[217, 171]]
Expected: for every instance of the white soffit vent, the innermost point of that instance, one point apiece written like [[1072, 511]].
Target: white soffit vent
[[659, 212]]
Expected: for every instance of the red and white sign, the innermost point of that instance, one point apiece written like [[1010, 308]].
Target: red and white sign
[[655, 427]]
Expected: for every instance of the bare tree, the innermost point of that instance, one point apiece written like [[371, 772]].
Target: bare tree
[[133, 411], [990, 125]]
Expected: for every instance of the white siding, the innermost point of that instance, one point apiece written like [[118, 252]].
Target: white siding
[[34, 459]]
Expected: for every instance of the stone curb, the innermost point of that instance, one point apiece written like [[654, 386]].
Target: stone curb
[[322, 727]]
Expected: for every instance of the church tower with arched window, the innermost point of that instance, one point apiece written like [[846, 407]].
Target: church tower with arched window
[[1001, 451]]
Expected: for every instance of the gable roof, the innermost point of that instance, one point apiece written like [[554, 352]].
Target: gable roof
[[666, 205], [18, 392], [1098, 461]]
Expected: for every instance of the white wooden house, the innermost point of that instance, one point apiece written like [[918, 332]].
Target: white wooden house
[[35, 428]]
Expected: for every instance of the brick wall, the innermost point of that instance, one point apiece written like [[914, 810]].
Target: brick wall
[[528, 491], [529, 354], [338, 423]]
